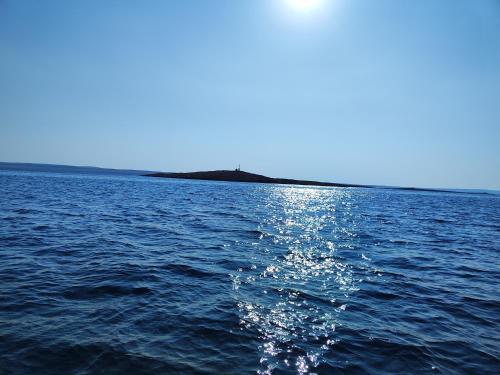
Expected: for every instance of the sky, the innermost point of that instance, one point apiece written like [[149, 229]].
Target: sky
[[388, 92]]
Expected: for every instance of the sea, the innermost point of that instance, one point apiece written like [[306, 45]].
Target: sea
[[109, 274]]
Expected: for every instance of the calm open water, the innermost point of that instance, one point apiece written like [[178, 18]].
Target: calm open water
[[122, 275]]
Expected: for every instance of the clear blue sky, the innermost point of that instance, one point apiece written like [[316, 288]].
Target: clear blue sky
[[382, 92]]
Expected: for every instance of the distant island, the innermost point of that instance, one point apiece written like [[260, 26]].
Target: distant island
[[238, 175]]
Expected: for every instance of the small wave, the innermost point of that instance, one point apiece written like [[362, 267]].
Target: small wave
[[25, 211], [41, 228], [442, 221], [376, 295], [87, 292], [183, 269]]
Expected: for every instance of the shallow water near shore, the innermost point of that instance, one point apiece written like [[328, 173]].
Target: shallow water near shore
[[110, 274]]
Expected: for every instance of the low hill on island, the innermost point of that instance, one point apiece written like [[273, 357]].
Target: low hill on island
[[242, 176]]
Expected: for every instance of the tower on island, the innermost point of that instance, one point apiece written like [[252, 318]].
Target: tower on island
[[238, 169]]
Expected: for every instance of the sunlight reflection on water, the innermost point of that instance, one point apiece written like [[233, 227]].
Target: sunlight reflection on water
[[293, 294]]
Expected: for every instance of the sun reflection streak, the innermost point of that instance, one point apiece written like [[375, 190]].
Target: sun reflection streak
[[304, 285]]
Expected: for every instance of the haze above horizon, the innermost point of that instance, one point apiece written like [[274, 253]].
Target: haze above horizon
[[383, 93]]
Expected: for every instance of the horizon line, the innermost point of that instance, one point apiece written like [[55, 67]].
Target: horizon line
[[440, 189]]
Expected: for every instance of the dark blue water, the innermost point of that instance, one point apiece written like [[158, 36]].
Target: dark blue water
[[125, 275]]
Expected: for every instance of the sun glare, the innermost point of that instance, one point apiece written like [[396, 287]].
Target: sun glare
[[304, 6]]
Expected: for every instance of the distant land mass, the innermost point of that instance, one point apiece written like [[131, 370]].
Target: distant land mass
[[242, 176], [56, 168]]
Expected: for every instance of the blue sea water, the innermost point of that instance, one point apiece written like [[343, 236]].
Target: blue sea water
[[131, 275]]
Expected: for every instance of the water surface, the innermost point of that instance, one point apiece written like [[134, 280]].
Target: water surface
[[110, 274]]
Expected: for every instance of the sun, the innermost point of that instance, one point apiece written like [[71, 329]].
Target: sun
[[309, 14], [304, 6]]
